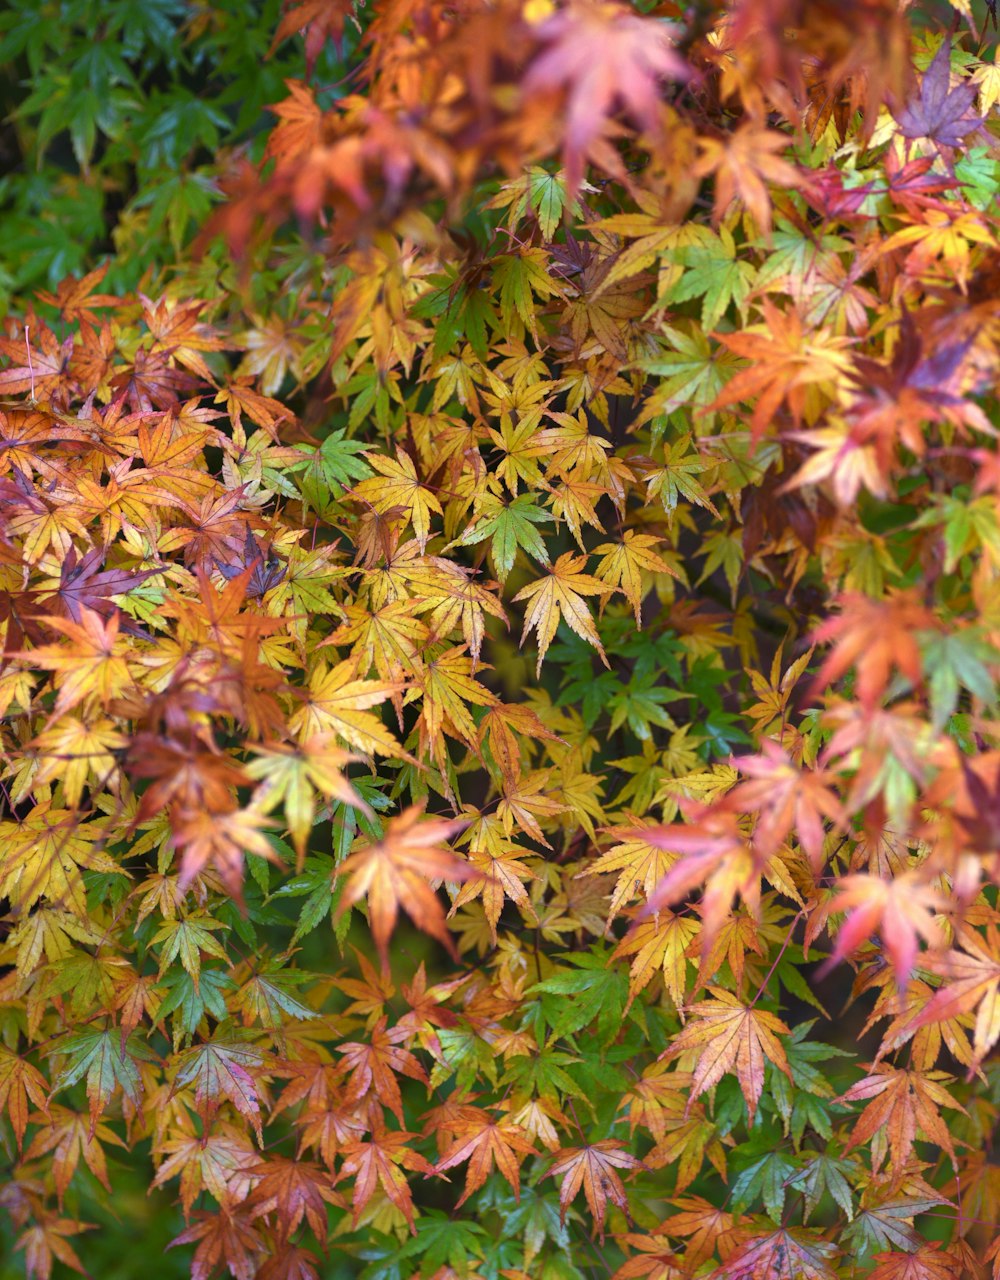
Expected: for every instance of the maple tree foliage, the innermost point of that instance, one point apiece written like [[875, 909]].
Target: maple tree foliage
[[499, 745]]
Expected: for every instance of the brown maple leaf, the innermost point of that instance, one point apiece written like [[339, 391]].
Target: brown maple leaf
[[226, 1239]]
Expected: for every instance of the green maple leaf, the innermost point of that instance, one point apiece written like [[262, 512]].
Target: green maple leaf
[[767, 1177], [677, 478], [715, 274], [598, 994], [509, 526], [693, 373], [824, 1174], [107, 1063], [957, 660]]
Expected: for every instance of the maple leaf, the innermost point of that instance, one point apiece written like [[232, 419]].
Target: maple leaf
[[786, 1254], [68, 1136], [509, 526], [655, 1259], [107, 1064], [95, 667], [785, 798], [394, 872], [930, 1262], [223, 1068], [743, 164], [560, 595], [19, 1081], [623, 565], [82, 584], [293, 776], [677, 478], [971, 983], [659, 944], [397, 485], [321, 21], [337, 702], [600, 54], [484, 1141], [501, 726], [901, 909], [45, 854], [219, 841], [380, 1162], [292, 1190], [375, 1063], [705, 1228], [941, 113], [641, 864], [497, 874], [220, 1162], [902, 1103], [46, 1240], [593, 1168], [225, 1238], [712, 851], [728, 1035], [788, 362], [874, 636]]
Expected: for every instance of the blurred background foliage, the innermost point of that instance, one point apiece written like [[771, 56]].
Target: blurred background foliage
[[117, 118]]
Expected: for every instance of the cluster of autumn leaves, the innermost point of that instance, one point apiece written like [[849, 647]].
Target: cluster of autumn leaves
[[728, 467]]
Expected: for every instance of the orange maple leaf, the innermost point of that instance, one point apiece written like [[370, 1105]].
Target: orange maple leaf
[[601, 54], [395, 871], [377, 1163], [728, 1035], [484, 1141], [789, 362], [971, 981], [874, 636], [901, 909], [744, 162], [593, 1168], [903, 1103]]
